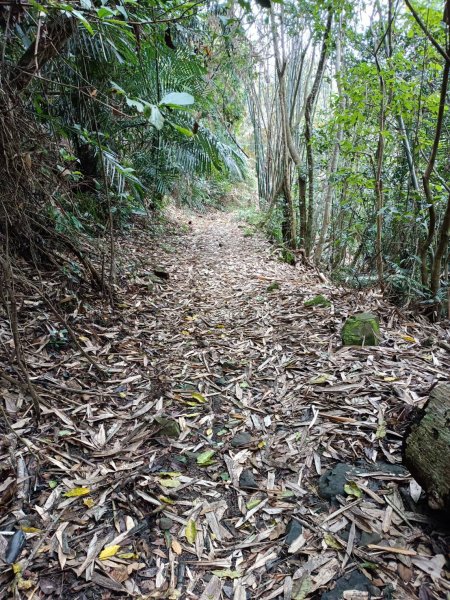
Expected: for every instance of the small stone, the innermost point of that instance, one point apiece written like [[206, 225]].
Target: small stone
[[332, 482], [168, 427], [362, 329], [247, 480], [351, 581], [165, 523], [319, 300], [241, 439], [293, 530]]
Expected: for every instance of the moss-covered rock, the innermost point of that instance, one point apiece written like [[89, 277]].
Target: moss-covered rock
[[362, 329], [319, 300]]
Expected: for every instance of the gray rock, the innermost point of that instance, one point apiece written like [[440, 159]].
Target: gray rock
[[247, 480], [243, 438], [293, 530], [351, 581], [165, 523], [370, 538], [332, 481]]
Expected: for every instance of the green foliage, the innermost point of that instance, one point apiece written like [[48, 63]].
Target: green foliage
[[138, 100]]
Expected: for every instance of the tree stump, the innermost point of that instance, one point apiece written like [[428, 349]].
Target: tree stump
[[426, 448]]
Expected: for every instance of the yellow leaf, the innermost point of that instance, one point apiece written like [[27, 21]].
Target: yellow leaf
[[409, 338], [76, 492], [128, 555], [390, 378], [191, 531], [176, 546], [17, 568], [89, 502], [198, 396], [26, 529], [25, 584], [261, 444], [108, 552], [185, 332]]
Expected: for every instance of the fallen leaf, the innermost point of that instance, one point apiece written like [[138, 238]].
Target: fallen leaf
[[108, 552], [76, 492], [191, 531]]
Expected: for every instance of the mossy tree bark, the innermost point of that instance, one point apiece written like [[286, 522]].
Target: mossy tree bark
[[426, 450]]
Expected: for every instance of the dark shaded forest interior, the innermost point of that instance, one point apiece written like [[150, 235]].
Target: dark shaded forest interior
[[224, 299]]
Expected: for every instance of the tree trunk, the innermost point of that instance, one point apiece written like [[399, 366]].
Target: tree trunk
[[426, 448], [379, 192], [49, 42], [334, 156], [441, 249], [426, 178], [309, 111], [302, 207]]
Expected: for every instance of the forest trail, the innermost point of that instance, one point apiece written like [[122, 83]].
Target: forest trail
[[260, 400]]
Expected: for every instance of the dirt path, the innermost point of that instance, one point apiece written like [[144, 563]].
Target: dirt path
[[260, 400]]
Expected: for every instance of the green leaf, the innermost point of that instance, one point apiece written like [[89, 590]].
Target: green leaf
[[204, 458], [227, 573], [191, 531], [302, 589], [175, 99], [352, 489], [381, 430], [320, 379], [183, 130], [115, 87], [331, 542], [83, 20], [105, 12], [156, 118]]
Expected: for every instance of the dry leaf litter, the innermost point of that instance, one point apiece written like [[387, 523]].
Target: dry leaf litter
[[220, 442]]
